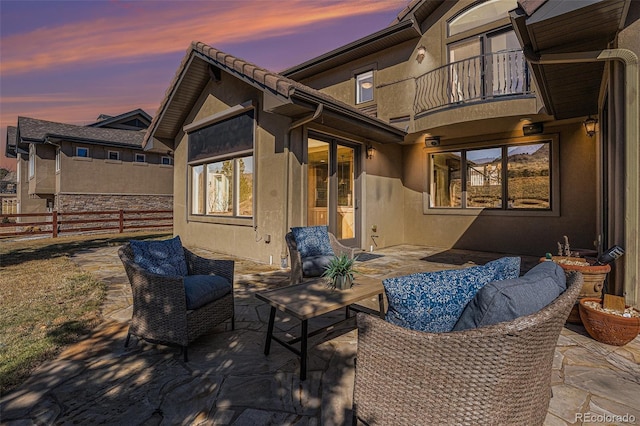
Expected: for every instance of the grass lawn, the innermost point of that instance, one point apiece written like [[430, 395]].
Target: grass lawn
[[46, 301]]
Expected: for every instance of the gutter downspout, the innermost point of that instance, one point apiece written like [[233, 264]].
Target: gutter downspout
[[631, 149], [287, 144]]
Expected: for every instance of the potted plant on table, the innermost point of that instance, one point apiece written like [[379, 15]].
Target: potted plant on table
[[339, 272]]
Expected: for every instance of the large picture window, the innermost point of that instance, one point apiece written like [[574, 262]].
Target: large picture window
[[222, 179], [506, 177]]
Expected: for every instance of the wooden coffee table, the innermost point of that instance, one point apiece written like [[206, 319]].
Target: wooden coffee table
[[312, 299]]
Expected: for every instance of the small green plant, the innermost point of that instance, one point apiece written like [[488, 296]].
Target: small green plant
[[339, 272]]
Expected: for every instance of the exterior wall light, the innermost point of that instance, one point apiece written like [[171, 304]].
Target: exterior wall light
[[422, 51], [370, 150], [431, 141], [590, 126]]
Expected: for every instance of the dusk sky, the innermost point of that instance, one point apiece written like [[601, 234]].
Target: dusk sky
[[70, 61]]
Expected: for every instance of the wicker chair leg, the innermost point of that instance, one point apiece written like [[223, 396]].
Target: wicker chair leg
[[184, 352], [126, 342], [233, 322]]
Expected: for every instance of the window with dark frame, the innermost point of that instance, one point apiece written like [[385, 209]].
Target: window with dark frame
[[114, 155], [364, 87], [140, 158], [506, 177]]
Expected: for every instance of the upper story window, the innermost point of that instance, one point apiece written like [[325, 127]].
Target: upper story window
[[504, 177], [32, 160], [364, 87], [140, 158], [166, 161], [58, 154], [480, 14], [82, 152], [113, 155], [222, 167]]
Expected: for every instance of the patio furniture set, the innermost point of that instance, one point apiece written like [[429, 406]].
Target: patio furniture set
[[472, 345]]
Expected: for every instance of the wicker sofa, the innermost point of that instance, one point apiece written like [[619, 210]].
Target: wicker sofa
[[297, 272], [498, 374], [160, 313]]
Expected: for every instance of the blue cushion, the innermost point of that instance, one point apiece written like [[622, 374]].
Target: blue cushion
[[314, 266], [509, 299], [160, 257], [203, 289], [433, 301], [507, 268], [312, 241]]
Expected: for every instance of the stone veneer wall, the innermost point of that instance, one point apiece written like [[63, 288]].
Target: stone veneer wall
[[65, 203]]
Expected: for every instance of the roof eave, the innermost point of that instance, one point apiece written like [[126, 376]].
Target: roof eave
[[359, 46]]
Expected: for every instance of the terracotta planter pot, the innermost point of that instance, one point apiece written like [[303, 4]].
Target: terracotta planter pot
[[608, 328], [594, 276]]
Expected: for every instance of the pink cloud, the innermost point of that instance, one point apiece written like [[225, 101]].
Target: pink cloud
[[151, 32]]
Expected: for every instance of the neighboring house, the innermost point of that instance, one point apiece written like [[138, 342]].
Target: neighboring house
[[8, 196], [460, 125], [69, 168]]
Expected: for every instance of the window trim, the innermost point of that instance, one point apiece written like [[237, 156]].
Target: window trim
[[78, 148], [135, 158], [32, 161], [357, 76], [471, 30], [554, 175], [113, 152], [170, 163]]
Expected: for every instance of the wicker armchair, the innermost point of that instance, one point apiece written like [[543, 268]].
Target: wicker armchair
[[160, 312], [296, 260], [499, 374]]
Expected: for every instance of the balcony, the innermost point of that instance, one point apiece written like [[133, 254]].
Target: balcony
[[473, 80]]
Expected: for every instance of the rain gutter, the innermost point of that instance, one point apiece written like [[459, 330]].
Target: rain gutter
[[287, 165]]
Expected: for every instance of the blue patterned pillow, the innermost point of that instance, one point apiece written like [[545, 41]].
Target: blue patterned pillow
[[434, 301], [160, 257], [507, 268], [312, 241]]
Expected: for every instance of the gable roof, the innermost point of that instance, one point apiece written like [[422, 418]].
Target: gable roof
[[290, 98], [121, 120], [32, 130], [408, 25], [10, 146]]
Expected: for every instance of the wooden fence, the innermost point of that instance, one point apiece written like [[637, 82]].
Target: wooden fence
[[56, 223]]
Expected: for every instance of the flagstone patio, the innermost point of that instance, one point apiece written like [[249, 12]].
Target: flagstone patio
[[229, 381]]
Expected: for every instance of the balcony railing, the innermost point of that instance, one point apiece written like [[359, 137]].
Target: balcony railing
[[475, 79]]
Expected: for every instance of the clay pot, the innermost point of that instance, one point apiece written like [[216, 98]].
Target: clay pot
[[608, 328], [593, 281]]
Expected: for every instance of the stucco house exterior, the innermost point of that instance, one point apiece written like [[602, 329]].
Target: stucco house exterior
[[97, 167], [460, 125]]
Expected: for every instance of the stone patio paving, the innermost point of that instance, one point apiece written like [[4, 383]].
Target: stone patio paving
[[229, 381]]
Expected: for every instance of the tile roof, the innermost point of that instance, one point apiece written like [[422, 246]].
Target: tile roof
[[264, 79], [34, 130]]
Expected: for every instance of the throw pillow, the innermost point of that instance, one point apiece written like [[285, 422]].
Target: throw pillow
[[160, 257], [202, 289], [312, 241], [509, 299], [315, 266], [433, 301], [506, 268]]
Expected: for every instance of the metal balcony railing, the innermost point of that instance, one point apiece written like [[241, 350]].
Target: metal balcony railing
[[475, 79]]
